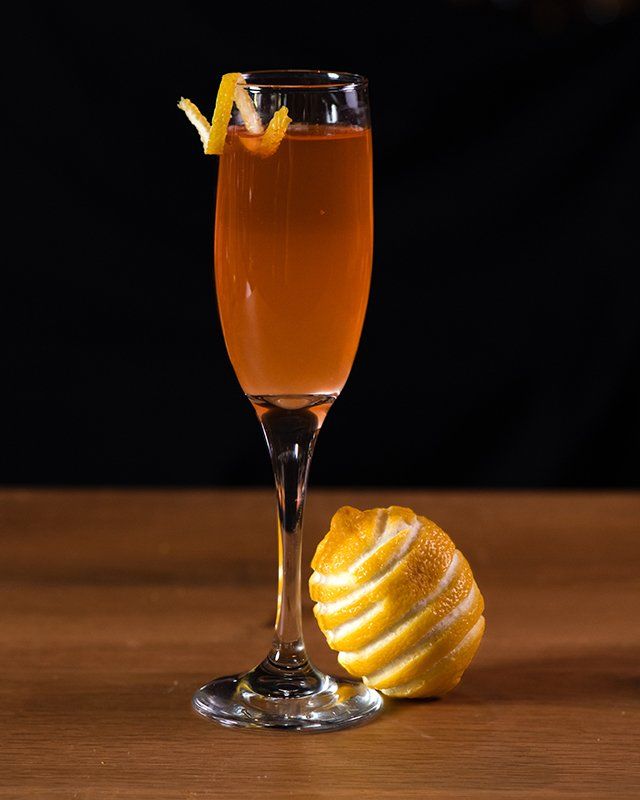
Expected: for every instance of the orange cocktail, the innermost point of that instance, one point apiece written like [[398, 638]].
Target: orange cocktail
[[293, 247], [293, 250]]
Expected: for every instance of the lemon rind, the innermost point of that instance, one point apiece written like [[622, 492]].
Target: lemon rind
[[197, 119], [247, 109], [397, 600], [275, 133]]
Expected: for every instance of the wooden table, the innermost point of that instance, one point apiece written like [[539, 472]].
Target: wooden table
[[116, 605]]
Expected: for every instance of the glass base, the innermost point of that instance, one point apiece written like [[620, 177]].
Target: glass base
[[336, 703]]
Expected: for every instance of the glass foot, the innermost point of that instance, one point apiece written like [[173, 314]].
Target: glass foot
[[336, 703]]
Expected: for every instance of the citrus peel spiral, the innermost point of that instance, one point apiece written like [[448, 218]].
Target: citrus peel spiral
[[232, 90], [275, 132], [397, 600], [197, 119], [221, 114]]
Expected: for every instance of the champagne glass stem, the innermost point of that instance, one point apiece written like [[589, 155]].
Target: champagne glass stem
[[285, 690], [291, 435]]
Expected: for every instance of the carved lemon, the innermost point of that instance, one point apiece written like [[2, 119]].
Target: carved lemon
[[397, 600]]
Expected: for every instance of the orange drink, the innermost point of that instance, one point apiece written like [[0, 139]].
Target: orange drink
[[293, 248]]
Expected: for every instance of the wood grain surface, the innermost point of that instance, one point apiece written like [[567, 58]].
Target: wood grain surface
[[116, 605]]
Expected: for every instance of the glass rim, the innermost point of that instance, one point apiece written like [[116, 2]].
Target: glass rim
[[284, 79]]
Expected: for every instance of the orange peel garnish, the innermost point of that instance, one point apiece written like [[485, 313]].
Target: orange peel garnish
[[275, 132], [232, 90], [197, 119], [247, 109], [221, 114]]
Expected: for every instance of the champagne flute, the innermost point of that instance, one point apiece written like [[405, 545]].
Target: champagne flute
[[293, 249]]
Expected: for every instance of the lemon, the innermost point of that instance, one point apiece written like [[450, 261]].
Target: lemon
[[397, 600]]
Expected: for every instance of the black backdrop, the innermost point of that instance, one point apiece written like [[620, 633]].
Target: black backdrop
[[502, 339]]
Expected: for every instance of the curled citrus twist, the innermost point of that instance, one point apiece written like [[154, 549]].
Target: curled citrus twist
[[247, 109], [232, 90], [275, 132], [197, 119], [221, 114]]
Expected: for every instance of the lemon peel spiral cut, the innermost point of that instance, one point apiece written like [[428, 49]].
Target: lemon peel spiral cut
[[233, 89], [197, 119], [247, 110], [275, 132], [397, 600], [221, 114]]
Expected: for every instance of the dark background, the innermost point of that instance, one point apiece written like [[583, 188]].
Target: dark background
[[501, 346]]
